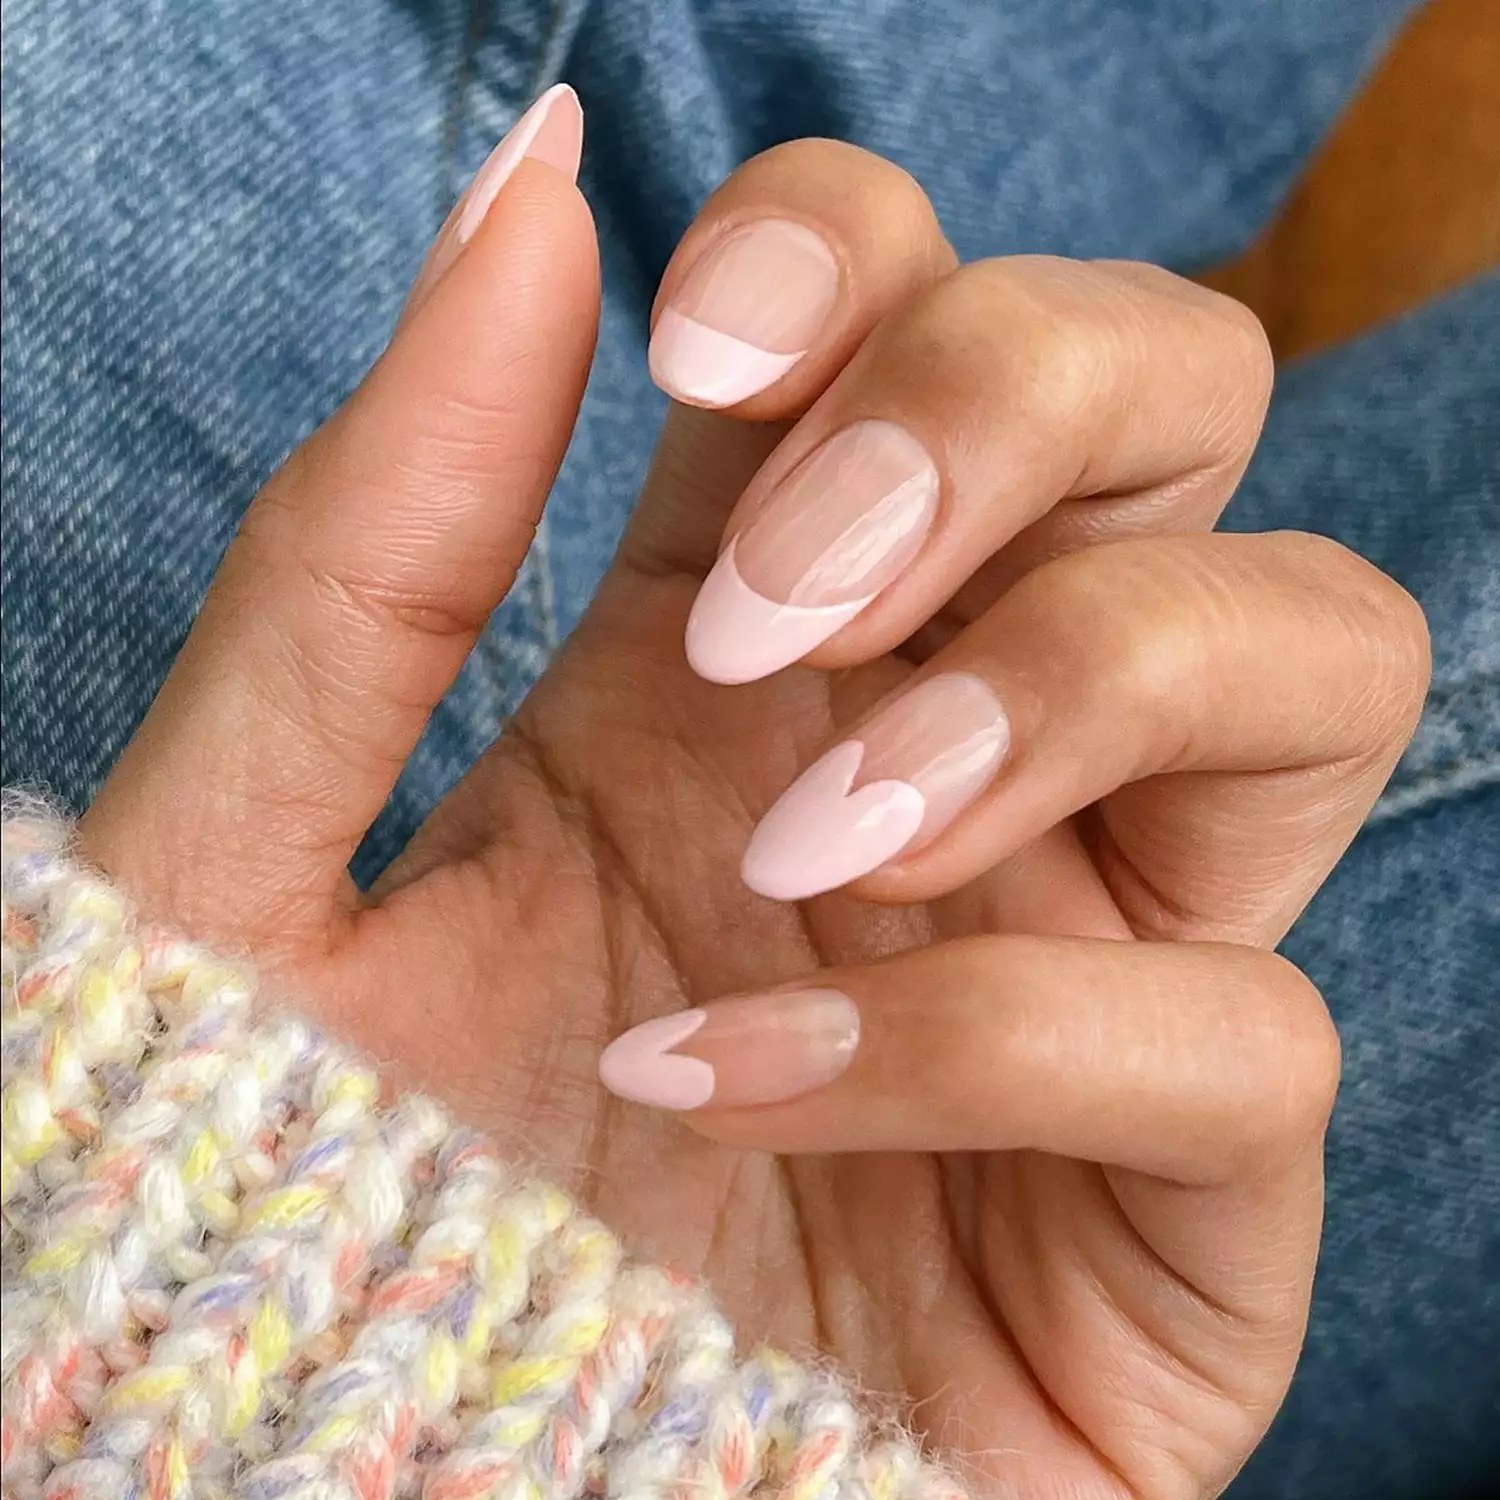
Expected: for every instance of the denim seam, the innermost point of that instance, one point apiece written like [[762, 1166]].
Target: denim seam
[[1471, 768], [1455, 779]]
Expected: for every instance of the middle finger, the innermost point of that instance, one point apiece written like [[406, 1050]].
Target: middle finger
[[1006, 388]]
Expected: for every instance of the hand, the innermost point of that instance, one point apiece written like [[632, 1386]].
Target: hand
[[1063, 1195]]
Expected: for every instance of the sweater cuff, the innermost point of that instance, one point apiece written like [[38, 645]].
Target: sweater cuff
[[233, 1266]]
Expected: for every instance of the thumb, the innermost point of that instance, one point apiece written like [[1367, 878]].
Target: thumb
[[366, 568]]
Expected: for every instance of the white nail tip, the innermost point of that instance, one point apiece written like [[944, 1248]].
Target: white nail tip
[[508, 156], [699, 364], [735, 634], [820, 835]]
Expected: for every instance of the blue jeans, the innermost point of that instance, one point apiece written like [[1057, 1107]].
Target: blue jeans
[[212, 214]]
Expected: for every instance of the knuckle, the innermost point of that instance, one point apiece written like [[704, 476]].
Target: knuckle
[[344, 609], [390, 604], [893, 187], [270, 537], [1403, 632], [1021, 331], [1131, 622], [1239, 325], [1304, 1053], [1062, 330], [1276, 1081], [1250, 342], [1250, 366], [1233, 343], [1387, 624], [1062, 343], [354, 542]]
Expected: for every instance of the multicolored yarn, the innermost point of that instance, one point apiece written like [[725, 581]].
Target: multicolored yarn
[[231, 1270]]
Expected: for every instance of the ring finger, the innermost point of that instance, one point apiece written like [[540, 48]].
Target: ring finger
[[1264, 685]]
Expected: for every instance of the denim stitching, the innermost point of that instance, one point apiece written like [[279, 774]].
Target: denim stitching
[[1456, 780], [1455, 774]]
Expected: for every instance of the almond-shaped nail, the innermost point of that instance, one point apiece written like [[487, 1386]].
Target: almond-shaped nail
[[750, 1050], [746, 312], [816, 551], [550, 131], [892, 786]]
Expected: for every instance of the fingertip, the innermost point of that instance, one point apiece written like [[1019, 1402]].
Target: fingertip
[[521, 302], [748, 308], [784, 272], [558, 141]]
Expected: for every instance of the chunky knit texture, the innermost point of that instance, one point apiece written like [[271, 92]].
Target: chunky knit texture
[[231, 1270]]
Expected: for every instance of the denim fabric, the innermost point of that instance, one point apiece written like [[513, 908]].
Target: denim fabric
[[212, 214], [211, 217], [1393, 446]]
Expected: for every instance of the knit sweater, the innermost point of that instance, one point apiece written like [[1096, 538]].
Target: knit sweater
[[234, 1267]]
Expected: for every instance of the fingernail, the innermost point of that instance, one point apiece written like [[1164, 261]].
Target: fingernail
[[839, 528], [892, 787], [550, 131], [745, 314], [755, 1049]]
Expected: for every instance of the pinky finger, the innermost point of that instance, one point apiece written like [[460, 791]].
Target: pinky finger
[[1195, 1063]]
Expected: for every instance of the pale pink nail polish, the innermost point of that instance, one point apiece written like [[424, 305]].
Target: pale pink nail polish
[[816, 551], [551, 131], [754, 1049], [745, 314], [889, 788]]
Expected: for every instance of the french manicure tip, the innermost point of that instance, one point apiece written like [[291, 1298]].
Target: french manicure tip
[[737, 635], [707, 367], [556, 137]]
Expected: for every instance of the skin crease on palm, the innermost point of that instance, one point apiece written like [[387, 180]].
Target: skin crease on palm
[[1098, 1285]]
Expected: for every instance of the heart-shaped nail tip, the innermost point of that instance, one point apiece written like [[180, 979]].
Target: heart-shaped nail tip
[[820, 835], [642, 1066]]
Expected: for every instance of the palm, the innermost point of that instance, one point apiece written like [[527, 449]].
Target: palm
[[605, 890]]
